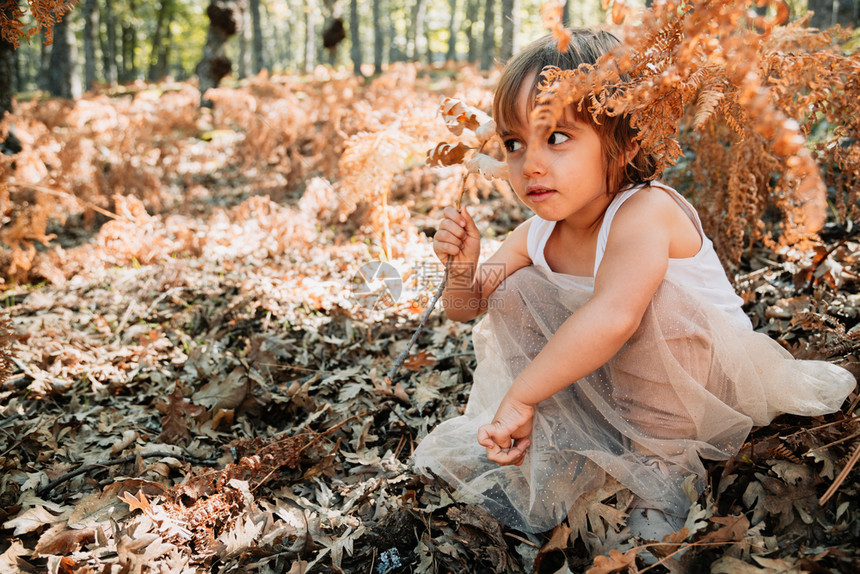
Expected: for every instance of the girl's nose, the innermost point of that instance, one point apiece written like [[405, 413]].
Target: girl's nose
[[534, 164]]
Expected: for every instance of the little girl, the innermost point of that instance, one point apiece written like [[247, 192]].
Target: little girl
[[613, 342]]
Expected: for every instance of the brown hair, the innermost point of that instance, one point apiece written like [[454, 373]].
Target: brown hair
[[586, 46]]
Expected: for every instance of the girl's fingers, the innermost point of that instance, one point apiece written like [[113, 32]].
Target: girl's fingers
[[514, 455], [469, 223], [447, 243], [501, 447], [446, 248], [448, 226], [455, 216], [493, 436]]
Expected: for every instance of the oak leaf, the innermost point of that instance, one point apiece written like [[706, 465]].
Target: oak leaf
[[447, 154], [174, 427], [458, 115], [614, 562], [488, 166], [419, 360], [9, 559], [239, 538], [64, 540], [137, 503], [33, 519], [559, 540]]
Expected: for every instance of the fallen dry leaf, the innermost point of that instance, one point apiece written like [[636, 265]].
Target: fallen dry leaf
[[614, 562]]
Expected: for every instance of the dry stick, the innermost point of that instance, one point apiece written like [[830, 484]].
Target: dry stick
[[60, 193], [24, 436], [436, 296], [318, 435], [842, 476], [853, 406], [405, 353], [682, 547], [834, 443], [819, 427], [88, 467], [58, 384]]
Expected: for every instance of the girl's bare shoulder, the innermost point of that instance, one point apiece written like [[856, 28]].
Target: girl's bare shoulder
[[653, 210]]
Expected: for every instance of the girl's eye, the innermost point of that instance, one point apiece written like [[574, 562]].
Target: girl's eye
[[512, 145], [556, 138]]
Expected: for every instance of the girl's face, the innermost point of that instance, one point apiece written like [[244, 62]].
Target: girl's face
[[559, 176]]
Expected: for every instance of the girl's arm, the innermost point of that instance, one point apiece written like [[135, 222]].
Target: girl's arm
[[633, 266], [469, 285]]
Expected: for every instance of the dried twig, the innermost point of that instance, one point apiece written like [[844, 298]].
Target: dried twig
[[432, 305], [88, 467], [60, 193], [842, 475]]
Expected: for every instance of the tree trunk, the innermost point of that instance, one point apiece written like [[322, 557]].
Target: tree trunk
[[108, 41], [472, 18], [224, 18], [428, 32], [378, 37], [129, 45], [7, 69], [161, 41], [355, 50], [451, 55], [18, 83], [44, 67], [90, 27], [847, 13], [418, 42], [63, 78], [488, 45], [281, 42], [257, 63], [244, 51], [823, 13], [395, 53], [510, 29], [310, 35]]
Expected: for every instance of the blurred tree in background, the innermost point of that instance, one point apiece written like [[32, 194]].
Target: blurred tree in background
[[126, 40]]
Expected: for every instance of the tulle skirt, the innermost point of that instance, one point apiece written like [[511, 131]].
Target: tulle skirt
[[689, 384]]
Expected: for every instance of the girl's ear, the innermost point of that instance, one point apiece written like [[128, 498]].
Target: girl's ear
[[631, 152]]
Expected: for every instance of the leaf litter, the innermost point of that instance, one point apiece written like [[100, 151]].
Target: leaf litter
[[200, 358]]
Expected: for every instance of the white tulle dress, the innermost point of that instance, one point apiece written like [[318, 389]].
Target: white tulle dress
[[689, 384]]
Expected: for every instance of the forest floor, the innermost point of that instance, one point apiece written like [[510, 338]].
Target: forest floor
[[198, 378]]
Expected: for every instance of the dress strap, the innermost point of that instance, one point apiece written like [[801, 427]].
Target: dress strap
[[618, 201], [608, 216]]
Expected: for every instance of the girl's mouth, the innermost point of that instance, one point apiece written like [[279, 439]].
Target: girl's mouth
[[538, 193]]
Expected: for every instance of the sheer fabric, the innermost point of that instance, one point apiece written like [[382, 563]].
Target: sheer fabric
[[688, 385]]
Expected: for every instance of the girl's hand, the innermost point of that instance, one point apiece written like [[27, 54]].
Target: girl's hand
[[457, 237], [507, 437]]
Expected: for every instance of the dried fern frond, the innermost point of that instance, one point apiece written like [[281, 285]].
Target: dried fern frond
[[46, 13], [552, 17], [368, 165], [717, 69], [11, 24]]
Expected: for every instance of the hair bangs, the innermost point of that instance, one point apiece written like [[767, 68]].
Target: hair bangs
[[618, 138]]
